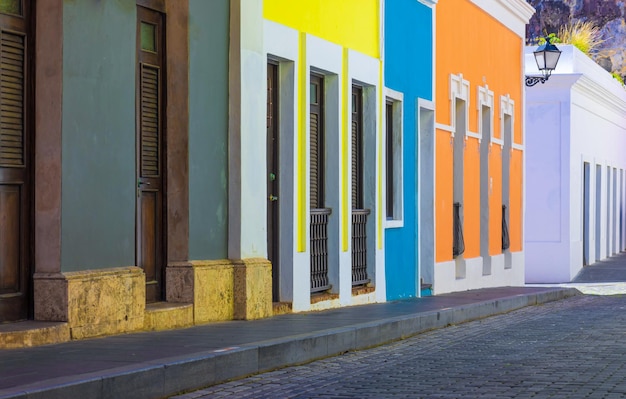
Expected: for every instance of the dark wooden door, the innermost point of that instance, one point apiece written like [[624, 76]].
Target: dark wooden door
[[15, 160], [273, 177], [150, 143]]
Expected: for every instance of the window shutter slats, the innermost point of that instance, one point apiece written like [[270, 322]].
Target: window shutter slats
[[150, 129], [355, 165], [316, 142], [11, 99], [314, 128]]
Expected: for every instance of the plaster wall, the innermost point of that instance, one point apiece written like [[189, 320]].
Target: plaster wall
[[465, 69], [247, 234], [408, 70], [208, 129], [98, 135], [352, 23]]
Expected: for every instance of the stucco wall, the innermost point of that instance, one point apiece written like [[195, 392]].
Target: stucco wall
[[466, 34], [578, 117], [408, 69], [98, 143], [208, 129]]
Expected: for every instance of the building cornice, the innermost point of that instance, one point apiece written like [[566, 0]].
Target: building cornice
[[520, 8], [514, 14], [606, 98], [429, 3]]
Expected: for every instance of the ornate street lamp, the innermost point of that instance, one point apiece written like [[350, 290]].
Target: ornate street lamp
[[547, 56]]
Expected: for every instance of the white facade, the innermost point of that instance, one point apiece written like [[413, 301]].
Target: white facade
[[575, 168]]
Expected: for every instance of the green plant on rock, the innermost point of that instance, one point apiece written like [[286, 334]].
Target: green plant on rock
[[618, 77], [551, 37], [583, 35]]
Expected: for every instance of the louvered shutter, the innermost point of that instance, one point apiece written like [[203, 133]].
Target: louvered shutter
[[315, 165], [357, 147], [150, 129], [316, 142], [355, 164], [11, 99]]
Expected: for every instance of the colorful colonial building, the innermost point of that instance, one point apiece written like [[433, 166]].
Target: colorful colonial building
[[409, 146], [324, 151], [575, 134], [479, 144], [165, 163], [128, 193]]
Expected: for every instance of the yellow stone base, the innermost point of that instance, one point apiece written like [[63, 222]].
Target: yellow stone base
[[279, 308], [32, 333], [167, 316], [227, 290], [105, 302], [213, 291], [253, 289], [111, 301]]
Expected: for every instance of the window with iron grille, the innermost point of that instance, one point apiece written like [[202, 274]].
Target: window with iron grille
[[359, 214], [505, 230], [458, 243], [319, 214]]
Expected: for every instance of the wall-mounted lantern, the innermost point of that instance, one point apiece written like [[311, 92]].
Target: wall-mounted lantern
[[547, 56]]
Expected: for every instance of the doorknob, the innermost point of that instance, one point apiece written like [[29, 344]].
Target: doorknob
[[273, 198]]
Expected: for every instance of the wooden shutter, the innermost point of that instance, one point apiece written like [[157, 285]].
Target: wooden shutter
[[150, 129], [11, 99], [357, 147], [314, 128], [316, 142]]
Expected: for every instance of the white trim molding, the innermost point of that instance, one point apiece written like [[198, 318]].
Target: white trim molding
[[398, 159], [514, 14], [459, 88], [507, 107], [485, 98]]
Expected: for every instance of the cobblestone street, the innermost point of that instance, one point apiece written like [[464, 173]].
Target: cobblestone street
[[574, 348]]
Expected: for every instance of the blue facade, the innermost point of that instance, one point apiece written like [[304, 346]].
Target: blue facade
[[408, 70]]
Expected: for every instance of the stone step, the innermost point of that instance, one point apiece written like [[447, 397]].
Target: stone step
[[33, 333]]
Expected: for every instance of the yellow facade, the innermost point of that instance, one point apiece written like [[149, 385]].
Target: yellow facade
[[353, 24]]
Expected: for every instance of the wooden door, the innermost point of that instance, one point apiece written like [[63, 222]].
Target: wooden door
[[15, 160], [273, 177], [150, 142]]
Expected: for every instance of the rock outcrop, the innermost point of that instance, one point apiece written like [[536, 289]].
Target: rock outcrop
[[608, 15]]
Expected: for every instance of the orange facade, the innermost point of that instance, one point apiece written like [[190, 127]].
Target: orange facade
[[473, 44]]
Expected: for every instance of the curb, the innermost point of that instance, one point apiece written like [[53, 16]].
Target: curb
[[170, 376]]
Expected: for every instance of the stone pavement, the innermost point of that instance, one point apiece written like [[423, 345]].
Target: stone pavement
[[562, 349], [606, 277], [158, 364]]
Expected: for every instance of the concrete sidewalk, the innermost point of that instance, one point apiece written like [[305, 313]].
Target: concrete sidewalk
[[158, 364]]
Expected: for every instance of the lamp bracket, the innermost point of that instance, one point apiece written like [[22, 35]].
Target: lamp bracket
[[533, 80]]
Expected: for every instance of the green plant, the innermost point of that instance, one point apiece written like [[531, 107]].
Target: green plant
[[583, 35], [618, 77], [552, 38]]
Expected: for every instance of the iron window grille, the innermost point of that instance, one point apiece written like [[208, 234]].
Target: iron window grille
[[506, 243], [458, 243]]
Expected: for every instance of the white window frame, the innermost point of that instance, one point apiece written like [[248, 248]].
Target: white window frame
[[397, 98]]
